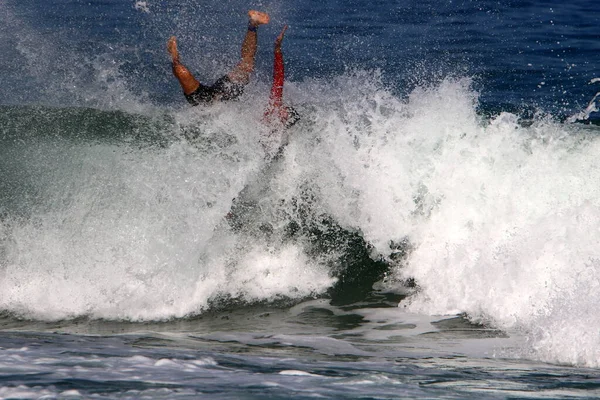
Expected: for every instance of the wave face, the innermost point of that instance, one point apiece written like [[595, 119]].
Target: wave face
[[119, 202], [501, 216]]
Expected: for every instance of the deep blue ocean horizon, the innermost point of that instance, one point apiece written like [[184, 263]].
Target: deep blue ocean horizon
[[520, 54]]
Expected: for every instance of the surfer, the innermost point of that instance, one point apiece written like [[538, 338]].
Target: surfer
[[277, 113], [230, 86]]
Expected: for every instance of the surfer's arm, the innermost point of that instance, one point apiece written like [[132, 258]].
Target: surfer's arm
[[278, 77], [275, 106], [276, 97]]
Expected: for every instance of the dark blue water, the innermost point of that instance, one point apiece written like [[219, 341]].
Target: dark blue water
[[429, 231], [521, 54]]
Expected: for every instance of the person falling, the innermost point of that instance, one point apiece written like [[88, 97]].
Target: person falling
[[230, 86]]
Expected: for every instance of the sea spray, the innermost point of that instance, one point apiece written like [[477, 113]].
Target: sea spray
[[488, 208], [121, 231], [499, 213], [513, 233]]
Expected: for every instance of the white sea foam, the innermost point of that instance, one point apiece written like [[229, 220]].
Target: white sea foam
[[293, 372], [513, 236], [124, 233], [503, 217]]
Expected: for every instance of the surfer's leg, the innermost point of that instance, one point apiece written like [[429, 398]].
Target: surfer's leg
[[241, 72], [188, 83]]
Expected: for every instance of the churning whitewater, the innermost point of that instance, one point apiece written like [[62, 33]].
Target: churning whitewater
[[428, 228], [500, 214]]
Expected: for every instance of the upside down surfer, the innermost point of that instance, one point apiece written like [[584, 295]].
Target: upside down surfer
[[230, 86]]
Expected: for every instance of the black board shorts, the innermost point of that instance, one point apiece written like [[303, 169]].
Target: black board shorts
[[222, 90]]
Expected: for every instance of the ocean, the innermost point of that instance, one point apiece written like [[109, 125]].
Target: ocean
[[429, 229]]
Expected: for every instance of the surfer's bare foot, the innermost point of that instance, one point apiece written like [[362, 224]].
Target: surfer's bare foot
[[280, 38], [258, 18], [172, 48]]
